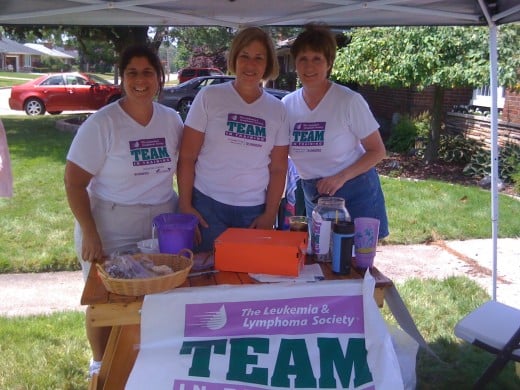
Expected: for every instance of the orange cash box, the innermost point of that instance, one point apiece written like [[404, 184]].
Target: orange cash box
[[273, 252]]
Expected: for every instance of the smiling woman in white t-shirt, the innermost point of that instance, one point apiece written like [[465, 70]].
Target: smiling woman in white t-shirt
[[120, 168], [233, 157], [334, 138]]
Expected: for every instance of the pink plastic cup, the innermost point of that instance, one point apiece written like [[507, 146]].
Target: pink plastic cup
[[365, 241]]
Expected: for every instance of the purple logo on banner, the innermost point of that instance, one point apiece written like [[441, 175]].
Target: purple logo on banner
[[331, 314]]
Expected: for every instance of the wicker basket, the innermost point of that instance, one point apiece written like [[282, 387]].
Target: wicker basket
[[180, 264]]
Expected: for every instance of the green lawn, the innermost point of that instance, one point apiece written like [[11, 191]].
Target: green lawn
[[8, 79]]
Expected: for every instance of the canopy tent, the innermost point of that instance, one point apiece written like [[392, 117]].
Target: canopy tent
[[236, 13]]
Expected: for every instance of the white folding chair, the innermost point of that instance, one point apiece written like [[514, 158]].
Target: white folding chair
[[494, 327]]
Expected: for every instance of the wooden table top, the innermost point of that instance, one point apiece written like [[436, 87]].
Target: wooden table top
[[95, 293]]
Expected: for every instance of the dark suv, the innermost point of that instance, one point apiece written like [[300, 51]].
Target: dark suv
[[190, 73]]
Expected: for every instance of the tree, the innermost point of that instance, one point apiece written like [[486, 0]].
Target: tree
[[91, 41], [420, 57], [33, 33], [207, 46], [119, 36], [202, 46]]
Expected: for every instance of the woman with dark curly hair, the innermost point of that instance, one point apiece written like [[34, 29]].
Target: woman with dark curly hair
[[119, 170]]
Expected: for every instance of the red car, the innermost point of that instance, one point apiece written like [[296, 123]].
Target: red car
[[190, 73], [63, 92]]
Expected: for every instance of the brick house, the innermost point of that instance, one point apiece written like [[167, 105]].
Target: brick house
[[15, 57]]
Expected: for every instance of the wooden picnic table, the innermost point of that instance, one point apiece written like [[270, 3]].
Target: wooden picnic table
[[123, 314]]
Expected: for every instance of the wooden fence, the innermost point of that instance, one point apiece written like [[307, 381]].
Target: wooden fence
[[478, 127]]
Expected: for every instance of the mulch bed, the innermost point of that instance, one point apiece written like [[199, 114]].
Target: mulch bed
[[412, 167]]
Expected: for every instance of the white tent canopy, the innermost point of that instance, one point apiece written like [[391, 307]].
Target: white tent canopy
[[236, 13]]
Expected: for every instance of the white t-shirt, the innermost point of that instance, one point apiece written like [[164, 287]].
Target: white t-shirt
[[132, 164], [326, 140], [232, 166]]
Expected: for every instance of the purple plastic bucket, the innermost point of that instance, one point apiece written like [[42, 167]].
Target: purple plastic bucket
[[175, 231]]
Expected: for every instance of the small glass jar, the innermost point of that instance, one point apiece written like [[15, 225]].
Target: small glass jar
[[327, 211]]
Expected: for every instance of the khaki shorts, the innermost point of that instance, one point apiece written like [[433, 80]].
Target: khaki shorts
[[121, 227]]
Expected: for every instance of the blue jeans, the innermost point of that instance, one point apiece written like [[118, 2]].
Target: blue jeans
[[221, 216], [363, 198]]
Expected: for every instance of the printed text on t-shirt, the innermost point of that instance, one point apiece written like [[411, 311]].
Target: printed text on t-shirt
[[308, 134], [149, 151], [246, 127]]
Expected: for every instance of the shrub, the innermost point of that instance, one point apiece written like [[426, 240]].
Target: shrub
[[508, 163], [479, 165], [407, 131], [457, 148], [55, 65], [403, 136], [516, 180]]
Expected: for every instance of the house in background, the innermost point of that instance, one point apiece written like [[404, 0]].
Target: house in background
[[15, 57], [48, 50]]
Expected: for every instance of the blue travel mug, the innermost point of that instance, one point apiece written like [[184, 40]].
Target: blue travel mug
[[342, 244]]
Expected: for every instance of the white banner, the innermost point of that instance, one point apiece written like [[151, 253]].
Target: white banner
[[323, 335]]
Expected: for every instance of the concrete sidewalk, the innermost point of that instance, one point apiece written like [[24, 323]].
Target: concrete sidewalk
[[44, 293]]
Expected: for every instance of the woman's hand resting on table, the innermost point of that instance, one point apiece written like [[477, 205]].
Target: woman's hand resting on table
[[263, 221]]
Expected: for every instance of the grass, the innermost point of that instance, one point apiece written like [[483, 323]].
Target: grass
[[423, 211], [461, 363], [43, 352], [51, 352], [36, 232], [8, 79]]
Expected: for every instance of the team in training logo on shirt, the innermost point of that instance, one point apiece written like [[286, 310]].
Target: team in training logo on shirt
[[149, 151], [246, 127], [308, 134]]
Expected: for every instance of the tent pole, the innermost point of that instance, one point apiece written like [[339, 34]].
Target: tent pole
[[494, 147], [493, 81]]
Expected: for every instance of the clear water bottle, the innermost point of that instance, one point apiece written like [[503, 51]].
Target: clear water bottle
[[328, 211]]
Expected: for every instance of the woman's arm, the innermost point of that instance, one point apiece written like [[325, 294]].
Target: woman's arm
[[375, 152], [191, 144], [275, 187], [76, 182]]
